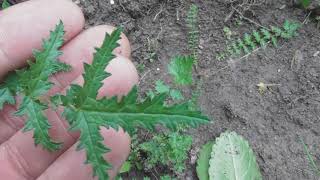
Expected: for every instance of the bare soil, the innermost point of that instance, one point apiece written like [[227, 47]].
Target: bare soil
[[272, 122]]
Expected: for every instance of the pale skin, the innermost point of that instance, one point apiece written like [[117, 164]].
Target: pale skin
[[22, 28]]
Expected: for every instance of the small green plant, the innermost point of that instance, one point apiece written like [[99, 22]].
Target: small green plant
[[312, 163], [193, 31], [231, 159], [167, 149], [5, 4], [260, 38], [227, 32], [305, 3], [167, 177], [82, 110]]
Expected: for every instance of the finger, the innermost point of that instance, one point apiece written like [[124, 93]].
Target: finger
[[23, 26], [75, 53], [28, 161], [70, 165], [80, 50]]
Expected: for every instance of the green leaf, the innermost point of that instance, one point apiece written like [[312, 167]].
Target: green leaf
[[38, 122], [248, 41], [203, 161], [181, 69], [35, 80], [125, 167], [130, 113], [6, 97], [305, 3], [310, 158], [167, 177], [161, 87], [259, 39], [79, 97], [87, 114], [32, 83], [233, 159], [150, 94], [176, 95], [92, 141], [5, 4]]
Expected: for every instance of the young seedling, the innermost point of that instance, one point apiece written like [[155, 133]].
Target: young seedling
[[193, 32], [259, 38], [310, 158], [83, 111]]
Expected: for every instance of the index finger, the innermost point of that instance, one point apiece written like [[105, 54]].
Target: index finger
[[22, 29]]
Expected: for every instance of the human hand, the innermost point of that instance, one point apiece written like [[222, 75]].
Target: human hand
[[22, 28]]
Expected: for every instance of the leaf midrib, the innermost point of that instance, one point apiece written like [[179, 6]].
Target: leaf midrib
[[155, 115], [233, 158]]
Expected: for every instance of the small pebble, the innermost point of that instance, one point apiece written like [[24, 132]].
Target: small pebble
[[316, 54]]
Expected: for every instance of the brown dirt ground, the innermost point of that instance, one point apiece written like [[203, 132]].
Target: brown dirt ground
[[272, 122]]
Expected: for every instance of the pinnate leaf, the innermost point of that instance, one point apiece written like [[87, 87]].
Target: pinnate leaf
[[233, 159], [32, 83], [6, 97], [38, 122]]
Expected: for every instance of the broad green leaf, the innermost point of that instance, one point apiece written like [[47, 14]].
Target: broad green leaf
[[6, 97], [203, 161], [5, 4], [181, 69], [233, 159]]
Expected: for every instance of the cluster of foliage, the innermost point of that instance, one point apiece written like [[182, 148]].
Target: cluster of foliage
[[165, 177], [305, 3], [170, 149], [5, 4], [165, 149], [260, 38], [228, 158], [83, 111]]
